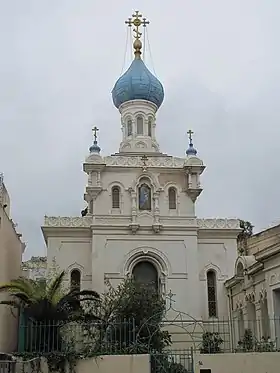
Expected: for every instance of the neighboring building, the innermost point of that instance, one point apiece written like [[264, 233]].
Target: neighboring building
[[11, 250], [254, 290], [35, 268], [141, 215]]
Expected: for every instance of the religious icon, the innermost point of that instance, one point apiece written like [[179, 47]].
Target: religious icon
[[144, 197]]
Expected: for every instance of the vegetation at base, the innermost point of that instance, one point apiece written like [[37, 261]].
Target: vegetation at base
[[211, 343], [125, 320], [251, 344]]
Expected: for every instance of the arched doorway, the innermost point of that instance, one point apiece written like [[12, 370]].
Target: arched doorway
[[145, 273]]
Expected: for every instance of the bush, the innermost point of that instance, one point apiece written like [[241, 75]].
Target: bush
[[211, 343]]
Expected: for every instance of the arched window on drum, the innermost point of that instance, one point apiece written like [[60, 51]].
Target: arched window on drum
[[140, 125]]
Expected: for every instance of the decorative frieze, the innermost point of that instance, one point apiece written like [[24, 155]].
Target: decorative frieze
[[134, 161], [67, 221], [86, 221], [218, 223]]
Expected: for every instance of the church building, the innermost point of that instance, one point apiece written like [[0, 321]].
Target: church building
[[141, 218]]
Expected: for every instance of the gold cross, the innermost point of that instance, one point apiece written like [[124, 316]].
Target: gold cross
[[190, 133], [95, 130], [144, 159], [137, 21]]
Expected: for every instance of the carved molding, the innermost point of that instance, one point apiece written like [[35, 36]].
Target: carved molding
[[86, 221], [193, 193], [208, 267], [141, 253], [263, 294], [134, 227], [134, 161], [239, 305], [157, 227], [274, 279], [250, 297], [218, 223], [68, 221]]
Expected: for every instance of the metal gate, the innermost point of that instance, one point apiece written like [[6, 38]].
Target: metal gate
[[172, 361]]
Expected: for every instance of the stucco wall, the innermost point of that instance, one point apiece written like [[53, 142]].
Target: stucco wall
[[265, 362], [101, 364], [11, 249]]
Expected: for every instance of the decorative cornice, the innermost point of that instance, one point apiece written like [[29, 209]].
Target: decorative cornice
[[86, 221], [153, 161], [67, 221], [218, 224]]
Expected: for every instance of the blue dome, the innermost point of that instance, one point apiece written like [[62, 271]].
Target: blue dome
[[94, 148], [138, 83], [191, 150]]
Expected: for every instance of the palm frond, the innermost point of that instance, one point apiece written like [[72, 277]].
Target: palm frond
[[10, 303], [24, 298], [13, 288], [78, 293], [55, 286]]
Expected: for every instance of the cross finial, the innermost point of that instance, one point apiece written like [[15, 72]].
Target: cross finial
[[190, 133], [169, 298], [137, 20], [95, 130], [144, 160]]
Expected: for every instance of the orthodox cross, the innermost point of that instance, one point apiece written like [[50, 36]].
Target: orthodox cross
[[144, 159], [169, 298], [95, 130], [190, 133], [137, 21]]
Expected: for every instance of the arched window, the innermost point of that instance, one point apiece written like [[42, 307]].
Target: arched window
[[150, 127], [146, 274], [75, 280], [145, 198], [240, 269], [140, 125], [129, 127], [172, 198], [115, 197], [212, 293]]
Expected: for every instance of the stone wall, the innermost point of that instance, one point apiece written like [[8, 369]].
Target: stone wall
[[264, 362]]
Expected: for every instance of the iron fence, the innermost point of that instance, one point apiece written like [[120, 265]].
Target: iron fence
[[180, 361], [210, 336], [105, 338]]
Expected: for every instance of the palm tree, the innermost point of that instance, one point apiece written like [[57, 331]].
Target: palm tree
[[47, 307]]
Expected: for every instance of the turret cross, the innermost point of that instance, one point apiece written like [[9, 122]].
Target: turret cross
[[190, 133], [95, 130]]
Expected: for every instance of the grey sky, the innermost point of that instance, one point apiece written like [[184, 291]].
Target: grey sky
[[218, 61]]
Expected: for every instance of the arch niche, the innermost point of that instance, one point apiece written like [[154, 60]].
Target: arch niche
[[145, 273]]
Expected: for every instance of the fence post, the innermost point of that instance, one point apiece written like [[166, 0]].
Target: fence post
[[21, 332]]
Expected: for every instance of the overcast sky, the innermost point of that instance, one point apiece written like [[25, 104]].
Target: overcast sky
[[218, 61]]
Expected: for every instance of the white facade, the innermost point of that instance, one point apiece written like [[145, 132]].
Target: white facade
[[141, 209], [108, 242]]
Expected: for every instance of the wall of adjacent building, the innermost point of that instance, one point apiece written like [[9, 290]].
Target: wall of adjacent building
[[264, 362], [11, 249]]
